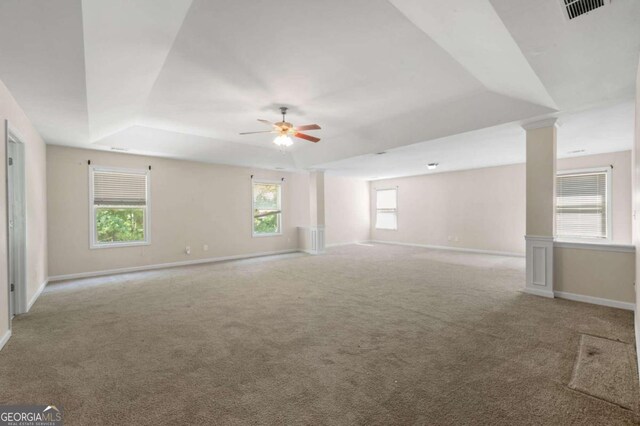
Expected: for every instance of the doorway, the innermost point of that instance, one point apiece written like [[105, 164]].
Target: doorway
[[16, 223]]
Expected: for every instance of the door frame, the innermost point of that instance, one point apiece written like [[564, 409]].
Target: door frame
[[20, 302]]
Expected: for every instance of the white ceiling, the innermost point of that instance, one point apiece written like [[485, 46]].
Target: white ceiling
[[596, 131], [181, 78]]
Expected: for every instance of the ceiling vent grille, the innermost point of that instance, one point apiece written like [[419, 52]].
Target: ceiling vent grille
[[575, 8]]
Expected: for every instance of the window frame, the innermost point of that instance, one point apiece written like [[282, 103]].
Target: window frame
[[280, 184], [394, 188], [93, 232], [609, 209]]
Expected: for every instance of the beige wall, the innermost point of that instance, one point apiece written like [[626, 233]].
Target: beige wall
[[485, 208], [482, 209], [192, 204], [35, 203], [346, 210], [595, 273]]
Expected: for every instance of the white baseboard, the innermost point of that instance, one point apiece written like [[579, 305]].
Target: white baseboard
[[309, 251], [166, 265], [595, 300], [36, 295], [350, 243], [5, 339], [536, 292], [461, 249]]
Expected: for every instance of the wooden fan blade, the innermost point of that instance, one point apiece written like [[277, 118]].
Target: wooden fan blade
[[308, 127], [307, 137], [253, 133]]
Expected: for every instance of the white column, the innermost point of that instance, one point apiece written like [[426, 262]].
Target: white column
[[316, 201], [541, 206]]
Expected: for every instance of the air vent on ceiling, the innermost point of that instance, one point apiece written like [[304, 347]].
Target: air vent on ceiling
[[574, 8]]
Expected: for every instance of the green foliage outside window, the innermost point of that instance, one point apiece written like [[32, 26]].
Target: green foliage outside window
[[265, 224], [266, 202], [119, 224]]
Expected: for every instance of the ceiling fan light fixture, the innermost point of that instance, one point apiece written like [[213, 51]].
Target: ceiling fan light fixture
[[283, 140], [286, 130]]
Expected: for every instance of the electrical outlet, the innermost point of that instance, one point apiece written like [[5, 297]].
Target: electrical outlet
[[187, 250], [205, 247]]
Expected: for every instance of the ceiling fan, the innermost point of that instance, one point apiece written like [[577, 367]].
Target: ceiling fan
[[285, 130]]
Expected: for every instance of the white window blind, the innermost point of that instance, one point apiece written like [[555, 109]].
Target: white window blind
[[387, 209], [119, 188], [582, 205]]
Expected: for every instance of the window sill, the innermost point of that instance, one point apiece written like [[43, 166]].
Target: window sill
[[115, 245], [277, 234], [594, 245]]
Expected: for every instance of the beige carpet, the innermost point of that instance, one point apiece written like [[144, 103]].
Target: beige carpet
[[602, 370], [362, 335]]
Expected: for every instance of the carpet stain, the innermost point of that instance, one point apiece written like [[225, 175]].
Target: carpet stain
[[606, 369]]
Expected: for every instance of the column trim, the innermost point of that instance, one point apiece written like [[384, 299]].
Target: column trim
[[539, 265], [540, 124], [538, 238], [314, 237]]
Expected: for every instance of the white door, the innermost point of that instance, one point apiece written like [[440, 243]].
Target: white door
[[11, 153], [16, 227]]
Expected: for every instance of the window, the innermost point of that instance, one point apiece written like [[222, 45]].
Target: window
[[583, 204], [119, 201], [267, 208], [387, 209]]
